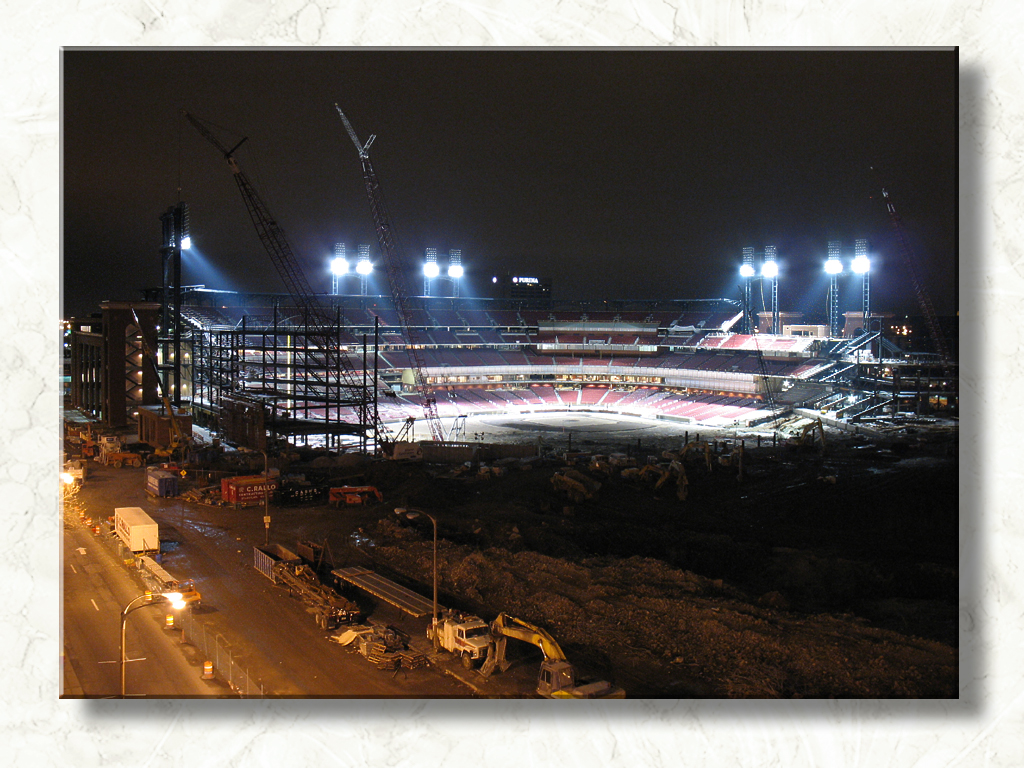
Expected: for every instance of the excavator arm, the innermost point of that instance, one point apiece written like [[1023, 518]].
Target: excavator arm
[[510, 626]]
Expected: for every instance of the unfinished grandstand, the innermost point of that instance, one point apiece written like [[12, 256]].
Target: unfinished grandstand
[[677, 360]]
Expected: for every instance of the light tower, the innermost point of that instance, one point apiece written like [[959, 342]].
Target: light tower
[[430, 269], [339, 267], [176, 238], [770, 271], [363, 267], [455, 270], [833, 267], [862, 267], [747, 272]]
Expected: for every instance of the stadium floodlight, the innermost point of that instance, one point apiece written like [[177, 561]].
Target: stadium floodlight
[[430, 269], [455, 271], [833, 266], [339, 266], [770, 269], [186, 243], [861, 265], [364, 267], [747, 270]]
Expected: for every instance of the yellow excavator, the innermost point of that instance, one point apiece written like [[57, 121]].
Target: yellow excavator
[[557, 678], [815, 431]]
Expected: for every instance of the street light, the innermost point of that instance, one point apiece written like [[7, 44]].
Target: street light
[[412, 514], [174, 598], [266, 500]]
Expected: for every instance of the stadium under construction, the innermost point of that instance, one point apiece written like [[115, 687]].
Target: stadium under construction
[[248, 367]]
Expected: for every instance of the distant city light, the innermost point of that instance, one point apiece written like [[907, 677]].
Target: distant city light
[[770, 269], [339, 266], [747, 270], [833, 266], [861, 265]]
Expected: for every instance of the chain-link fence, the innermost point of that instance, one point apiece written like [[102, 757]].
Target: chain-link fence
[[217, 651], [213, 647]]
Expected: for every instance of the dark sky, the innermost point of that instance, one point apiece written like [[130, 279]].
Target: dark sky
[[617, 173]]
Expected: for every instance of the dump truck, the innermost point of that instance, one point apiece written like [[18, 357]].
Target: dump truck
[[557, 677], [468, 637], [136, 529]]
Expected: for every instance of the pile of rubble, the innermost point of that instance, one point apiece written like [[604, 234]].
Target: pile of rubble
[[661, 631]]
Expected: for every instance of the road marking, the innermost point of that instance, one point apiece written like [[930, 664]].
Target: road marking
[[81, 550], [72, 568], [115, 661], [94, 604]]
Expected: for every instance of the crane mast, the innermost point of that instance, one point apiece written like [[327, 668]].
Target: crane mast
[[396, 279], [922, 295], [319, 323]]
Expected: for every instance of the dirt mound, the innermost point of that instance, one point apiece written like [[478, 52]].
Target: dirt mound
[[658, 630]]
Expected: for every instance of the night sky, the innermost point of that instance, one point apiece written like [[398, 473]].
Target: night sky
[[619, 174]]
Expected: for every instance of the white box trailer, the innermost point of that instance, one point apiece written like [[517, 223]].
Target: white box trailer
[[136, 529]]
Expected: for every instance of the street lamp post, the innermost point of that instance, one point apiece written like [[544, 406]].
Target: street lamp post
[[412, 514], [174, 598], [266, 500]]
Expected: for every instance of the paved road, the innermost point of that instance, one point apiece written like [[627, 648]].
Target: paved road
[[268, 633], [96, 589]]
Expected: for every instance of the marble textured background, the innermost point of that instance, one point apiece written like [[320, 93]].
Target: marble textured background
[[984, 728]]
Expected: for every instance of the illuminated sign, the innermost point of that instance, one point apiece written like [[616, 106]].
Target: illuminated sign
[[530, 280]]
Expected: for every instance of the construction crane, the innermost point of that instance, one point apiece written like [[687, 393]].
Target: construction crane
[[922, 295], [321, 332], [396, 280]]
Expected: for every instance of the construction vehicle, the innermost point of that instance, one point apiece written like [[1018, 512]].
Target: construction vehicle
[[557, 677], [468, 637], [119, 459], [353, 495], [575, 485], [287, 569], [330, 608], [165, 582], [815, 430]]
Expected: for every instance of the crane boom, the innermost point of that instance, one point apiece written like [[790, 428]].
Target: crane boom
[[922, 295], [396, 280], [319, 333]]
